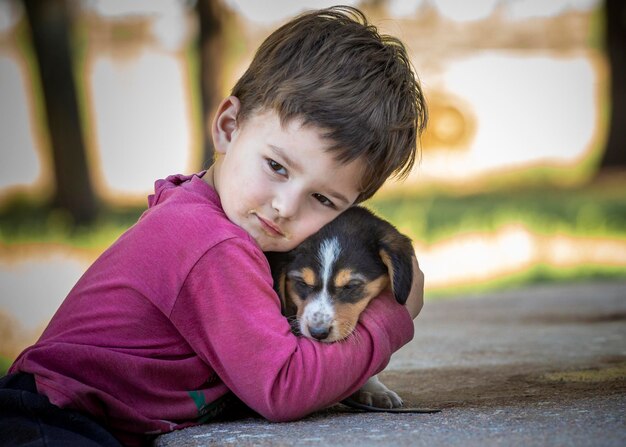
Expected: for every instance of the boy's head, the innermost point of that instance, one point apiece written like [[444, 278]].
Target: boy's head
[[332, 70]]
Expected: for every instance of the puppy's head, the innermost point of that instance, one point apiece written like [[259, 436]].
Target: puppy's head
[[327, 281]]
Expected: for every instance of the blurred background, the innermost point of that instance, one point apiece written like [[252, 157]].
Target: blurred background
[[521, 176]]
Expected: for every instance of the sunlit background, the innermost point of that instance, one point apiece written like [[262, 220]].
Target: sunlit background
[[518, 99]]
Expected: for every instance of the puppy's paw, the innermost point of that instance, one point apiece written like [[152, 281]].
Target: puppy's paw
[[386, 399], [375, 394]]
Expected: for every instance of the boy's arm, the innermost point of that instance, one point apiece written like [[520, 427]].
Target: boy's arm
[[230, 316]]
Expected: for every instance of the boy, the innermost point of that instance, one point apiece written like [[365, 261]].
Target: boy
[[180, 310]]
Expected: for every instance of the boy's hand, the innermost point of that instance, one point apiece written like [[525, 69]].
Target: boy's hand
[[416, 296]]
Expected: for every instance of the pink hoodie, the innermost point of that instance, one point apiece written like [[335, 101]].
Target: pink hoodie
[[180, 310]]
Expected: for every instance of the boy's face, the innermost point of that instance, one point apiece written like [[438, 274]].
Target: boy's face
[[278, 183]]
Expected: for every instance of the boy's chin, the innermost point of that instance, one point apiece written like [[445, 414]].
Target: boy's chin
[[276, 245], [280, 248]]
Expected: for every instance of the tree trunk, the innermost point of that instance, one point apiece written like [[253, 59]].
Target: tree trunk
[[615, 152], [50, 23], [210, 13]]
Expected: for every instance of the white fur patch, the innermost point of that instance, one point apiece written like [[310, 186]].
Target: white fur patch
[[319, 311], [329, 252]]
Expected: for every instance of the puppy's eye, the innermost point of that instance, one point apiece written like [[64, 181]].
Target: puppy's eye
[[300, 285], [304, 285], [303, 289], [352, 285]]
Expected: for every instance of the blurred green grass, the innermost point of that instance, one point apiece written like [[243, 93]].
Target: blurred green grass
[[596, 209], [24, 221], [5, 363]]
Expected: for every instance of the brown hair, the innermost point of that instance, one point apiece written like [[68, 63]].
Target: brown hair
[[333, 70]]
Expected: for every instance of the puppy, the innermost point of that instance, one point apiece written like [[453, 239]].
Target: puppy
[[328, 280]]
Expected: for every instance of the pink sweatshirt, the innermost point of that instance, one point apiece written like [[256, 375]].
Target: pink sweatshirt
[[180, 310]]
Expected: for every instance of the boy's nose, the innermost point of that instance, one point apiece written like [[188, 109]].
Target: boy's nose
[[286, 204]]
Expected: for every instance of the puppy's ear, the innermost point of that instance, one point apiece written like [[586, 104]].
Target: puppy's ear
[[396, 251], [278, 264], [279, 286]]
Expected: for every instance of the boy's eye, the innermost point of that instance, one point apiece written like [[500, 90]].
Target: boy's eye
[[276, 167], [324, 200]]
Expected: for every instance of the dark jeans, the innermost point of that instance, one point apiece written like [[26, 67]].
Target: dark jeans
[[28, 419]]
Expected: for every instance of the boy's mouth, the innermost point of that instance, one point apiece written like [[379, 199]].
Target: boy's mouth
[[269, 227]]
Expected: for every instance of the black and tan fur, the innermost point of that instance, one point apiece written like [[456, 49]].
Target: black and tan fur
[[328, 280]]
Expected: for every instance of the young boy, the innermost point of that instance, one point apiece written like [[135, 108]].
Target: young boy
[[180, 310]]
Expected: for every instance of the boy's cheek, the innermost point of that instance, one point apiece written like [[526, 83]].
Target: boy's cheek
[[297, 238], [310, 225]]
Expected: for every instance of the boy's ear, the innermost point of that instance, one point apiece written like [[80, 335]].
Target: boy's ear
[[225, 123]]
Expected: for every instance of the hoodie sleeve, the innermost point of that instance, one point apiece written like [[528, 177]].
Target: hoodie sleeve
[[230, 315]]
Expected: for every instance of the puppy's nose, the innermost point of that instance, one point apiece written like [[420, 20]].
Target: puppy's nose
[[319, 333]]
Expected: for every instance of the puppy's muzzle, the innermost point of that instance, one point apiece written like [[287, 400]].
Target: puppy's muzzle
[[319, 332], [317, 318]]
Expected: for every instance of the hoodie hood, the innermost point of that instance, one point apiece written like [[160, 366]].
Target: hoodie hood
[[163, 187]]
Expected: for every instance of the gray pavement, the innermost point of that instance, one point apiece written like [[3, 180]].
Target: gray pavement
[[539, 366]]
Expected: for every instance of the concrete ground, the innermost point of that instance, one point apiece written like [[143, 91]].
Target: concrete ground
[[540, 366]]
